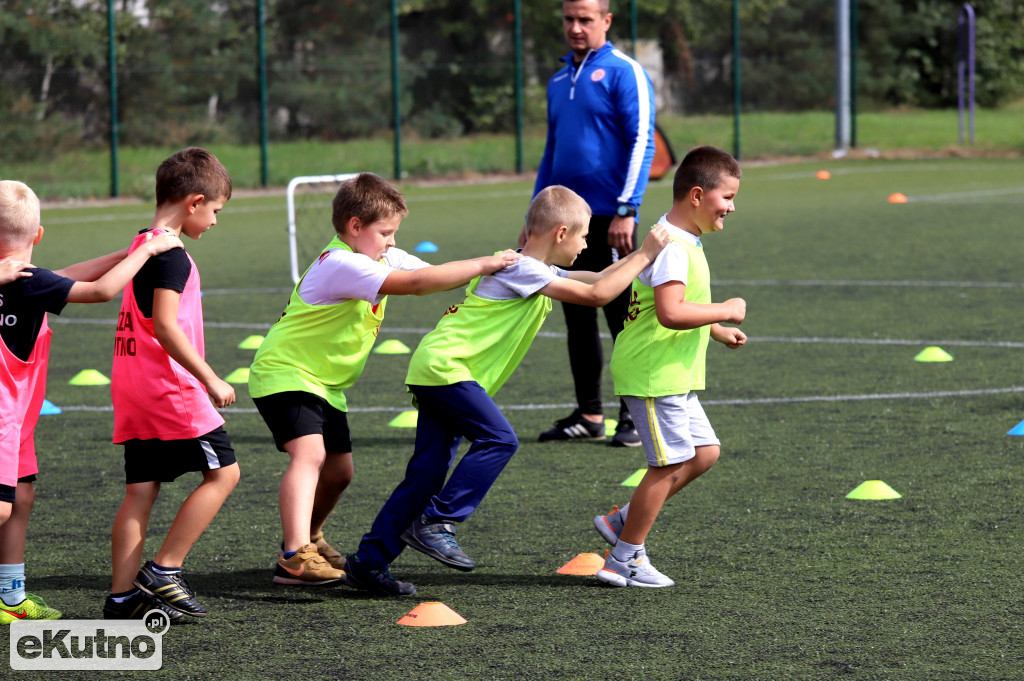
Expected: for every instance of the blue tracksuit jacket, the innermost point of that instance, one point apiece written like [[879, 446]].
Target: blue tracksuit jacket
[[600, 130]]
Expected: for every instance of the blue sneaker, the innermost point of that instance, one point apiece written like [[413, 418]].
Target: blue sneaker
[[437, 540], [359, 575]]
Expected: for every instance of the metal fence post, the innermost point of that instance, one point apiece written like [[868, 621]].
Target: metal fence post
[[114, 123]]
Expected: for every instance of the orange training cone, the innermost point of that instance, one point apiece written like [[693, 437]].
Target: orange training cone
[[897, 198], [583, 564], [432, 615], [823, 175]]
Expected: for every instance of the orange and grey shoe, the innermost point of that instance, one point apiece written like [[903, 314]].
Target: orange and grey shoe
[[610, 525], [306, 567], [32, 608], [170, 588], [328, 552]]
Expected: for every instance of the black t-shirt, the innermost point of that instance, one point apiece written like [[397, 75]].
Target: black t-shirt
[[24, 304], [168, 270]]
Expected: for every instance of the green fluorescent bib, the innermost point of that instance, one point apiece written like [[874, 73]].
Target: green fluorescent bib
[[480, 340], [319, 349], [649, 360]]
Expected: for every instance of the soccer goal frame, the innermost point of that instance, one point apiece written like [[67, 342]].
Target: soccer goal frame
[[293, 185]]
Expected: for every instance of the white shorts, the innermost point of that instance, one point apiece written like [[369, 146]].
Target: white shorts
[[671, 427]]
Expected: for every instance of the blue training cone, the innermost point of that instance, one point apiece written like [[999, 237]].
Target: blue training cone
[[49, 408]]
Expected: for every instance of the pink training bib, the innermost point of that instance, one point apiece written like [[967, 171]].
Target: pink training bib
[[24, 387], [155, 397]]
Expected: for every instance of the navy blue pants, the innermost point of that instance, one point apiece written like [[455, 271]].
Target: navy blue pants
[[446, 414]]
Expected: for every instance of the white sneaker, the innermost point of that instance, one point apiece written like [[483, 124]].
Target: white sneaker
[[610, 526], [637, 571]]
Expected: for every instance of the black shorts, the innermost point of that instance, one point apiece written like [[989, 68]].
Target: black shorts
[[7, 491], [295, 413], [165, 460]]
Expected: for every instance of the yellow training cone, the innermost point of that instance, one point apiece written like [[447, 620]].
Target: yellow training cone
[[609, 426], [933, 354], [634, 480], [240, 375], [432, 615], [251, 343], [586, 564], [407, 419], [89, 377], [873, 489], [392, 347]]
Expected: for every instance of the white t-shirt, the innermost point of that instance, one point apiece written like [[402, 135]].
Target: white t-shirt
[[340, 274], [672, 264], [521, 279]]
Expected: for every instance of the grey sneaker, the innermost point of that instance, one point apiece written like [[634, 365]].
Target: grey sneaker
[[610, 525], [437, 540], [637, 571], [625, 433], [359, 575]]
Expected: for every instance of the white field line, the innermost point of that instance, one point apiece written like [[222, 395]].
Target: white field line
[[611, 405], [414, 331]]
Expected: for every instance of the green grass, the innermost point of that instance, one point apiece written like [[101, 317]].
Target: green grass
[[86, 174], [779, 575]]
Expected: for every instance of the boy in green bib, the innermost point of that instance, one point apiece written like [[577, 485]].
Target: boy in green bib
[[658, 361], [317, 350], [457, 369]]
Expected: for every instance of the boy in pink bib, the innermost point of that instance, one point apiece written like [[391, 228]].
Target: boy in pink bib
[[165, 397], [26, 295]]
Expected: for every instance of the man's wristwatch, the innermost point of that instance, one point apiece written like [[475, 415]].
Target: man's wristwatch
[[625, 211]]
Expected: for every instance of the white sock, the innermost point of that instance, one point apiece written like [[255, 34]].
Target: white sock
[[623, 551], [12, 583]]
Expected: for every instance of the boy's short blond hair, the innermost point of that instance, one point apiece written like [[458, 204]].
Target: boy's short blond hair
[[703, 167], [192, 171], [368, 197], [19, 214], [555, 206]]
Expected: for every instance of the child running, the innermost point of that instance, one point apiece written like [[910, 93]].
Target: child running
[[658, 361], [457, 369], [25, 298], [162, 388], [317, 350]]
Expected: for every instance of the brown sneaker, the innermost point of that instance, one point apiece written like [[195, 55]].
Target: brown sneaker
[[328, 552], [306, 568]]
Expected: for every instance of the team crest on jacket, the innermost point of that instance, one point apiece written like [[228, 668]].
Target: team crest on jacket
[[597, 75]]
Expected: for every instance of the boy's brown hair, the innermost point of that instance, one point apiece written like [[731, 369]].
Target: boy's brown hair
[[192, 171], [368, 197], [703, 167], [555, 206], [19, 214]]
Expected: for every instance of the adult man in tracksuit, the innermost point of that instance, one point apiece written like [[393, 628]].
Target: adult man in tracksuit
[[600, 144]]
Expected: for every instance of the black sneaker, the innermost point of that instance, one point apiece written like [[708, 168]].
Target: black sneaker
[[172, 590], [136, 607], [573, 427], [437, 540], [359, 575], [625, 433]]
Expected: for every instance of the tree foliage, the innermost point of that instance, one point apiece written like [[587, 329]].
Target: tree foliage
[[187, 70]]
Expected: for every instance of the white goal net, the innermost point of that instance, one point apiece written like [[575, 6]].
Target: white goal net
[[309, 217]]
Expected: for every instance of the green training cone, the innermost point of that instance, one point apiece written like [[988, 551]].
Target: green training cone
[[407, 419], [89, 377], [609, 427], [392, 347], [933, 354], [240, 375], [873, 489], [251, 343], [634, 480]]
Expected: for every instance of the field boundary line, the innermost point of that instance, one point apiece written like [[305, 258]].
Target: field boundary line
[[739, 402]]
